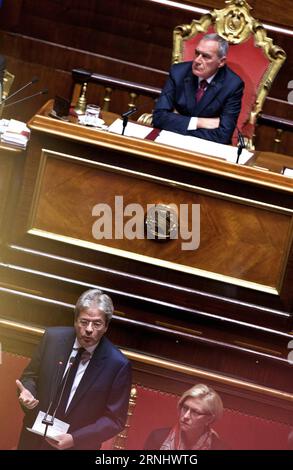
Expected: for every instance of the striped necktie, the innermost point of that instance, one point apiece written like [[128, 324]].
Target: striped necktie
[[201, 89]]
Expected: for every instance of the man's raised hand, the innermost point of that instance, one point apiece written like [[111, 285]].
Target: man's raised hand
[[25, 396]]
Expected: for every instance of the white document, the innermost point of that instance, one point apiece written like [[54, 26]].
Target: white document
[[59, 427], [132, 129], [205, 147], [16, 133], [288, 172], [93, 121]]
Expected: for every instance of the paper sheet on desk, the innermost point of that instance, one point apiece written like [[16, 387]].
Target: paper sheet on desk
[[15, 133], [132, 129], [206, 147], [59, 427], [288, 172]]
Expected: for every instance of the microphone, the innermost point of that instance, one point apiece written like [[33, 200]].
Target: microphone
[[241, 144], [42, 92], [126, 116], [129, 113], [45, 420], [50, 421], [33, 80]]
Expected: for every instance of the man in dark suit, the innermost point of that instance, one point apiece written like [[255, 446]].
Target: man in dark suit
[[94, 400], [201, 98]]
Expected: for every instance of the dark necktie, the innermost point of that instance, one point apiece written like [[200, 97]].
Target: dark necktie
[[82, 356], [200, 91]]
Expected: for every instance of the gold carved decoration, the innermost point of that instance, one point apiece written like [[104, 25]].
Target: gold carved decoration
[[234, 22], [7, 83], [121, 438], [81, 102]]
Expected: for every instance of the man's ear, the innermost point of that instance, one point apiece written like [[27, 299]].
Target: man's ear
[[223, 61]]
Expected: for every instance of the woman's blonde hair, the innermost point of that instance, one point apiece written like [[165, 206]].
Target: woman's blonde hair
[[212, 403]]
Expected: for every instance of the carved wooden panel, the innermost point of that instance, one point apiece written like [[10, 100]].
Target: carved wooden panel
[[240, 239], [8, 182], [5, 173]]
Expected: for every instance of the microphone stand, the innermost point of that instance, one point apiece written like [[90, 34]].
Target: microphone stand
[[125, 117], [241, 145], [42, 92], [33, 80], [239, 151], [46, 421], [50, 421], [125, 122]]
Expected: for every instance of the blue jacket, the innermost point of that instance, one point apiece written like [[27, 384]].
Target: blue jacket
[[99, 406], [221, 99]]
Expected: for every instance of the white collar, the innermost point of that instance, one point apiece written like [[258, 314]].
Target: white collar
[[90, 349], [206, 79]]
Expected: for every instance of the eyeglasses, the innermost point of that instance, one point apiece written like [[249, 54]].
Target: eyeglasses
[[97, 325], [193, 413]]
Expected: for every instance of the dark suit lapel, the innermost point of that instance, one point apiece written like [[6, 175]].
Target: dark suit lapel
[[63, 349], [213, 89], [93, 371], [190, 87]]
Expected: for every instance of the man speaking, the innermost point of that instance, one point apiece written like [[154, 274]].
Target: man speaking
[[202, 98], [78, 376]]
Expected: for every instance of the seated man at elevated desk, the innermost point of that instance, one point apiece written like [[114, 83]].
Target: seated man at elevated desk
[[202, 98]]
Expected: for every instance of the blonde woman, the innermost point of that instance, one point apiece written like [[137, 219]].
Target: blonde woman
[[198, 408]]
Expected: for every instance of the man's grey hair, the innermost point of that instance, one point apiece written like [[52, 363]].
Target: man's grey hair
[[223, 44], [97, 299]]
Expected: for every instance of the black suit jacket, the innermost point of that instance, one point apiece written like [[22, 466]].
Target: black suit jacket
[[99, 407], [221, 99]]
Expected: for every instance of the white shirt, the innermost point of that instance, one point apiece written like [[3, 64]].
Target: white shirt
[[81, 368], [192, 126]]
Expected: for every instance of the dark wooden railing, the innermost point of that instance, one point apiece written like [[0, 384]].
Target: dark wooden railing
[[80, 77], [134, 89]]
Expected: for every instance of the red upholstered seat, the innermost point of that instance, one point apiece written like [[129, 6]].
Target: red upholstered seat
[[155, 409]]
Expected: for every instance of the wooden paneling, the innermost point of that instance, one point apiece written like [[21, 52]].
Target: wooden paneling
[[270, 138], [134, 34], [87, 182], [269, 11], [53, 64], [5, 175], [11, 163], [237, 240], [209, 344]]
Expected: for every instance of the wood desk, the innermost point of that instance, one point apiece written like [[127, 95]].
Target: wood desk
[[222, 306], [246, 213], [11, 164]]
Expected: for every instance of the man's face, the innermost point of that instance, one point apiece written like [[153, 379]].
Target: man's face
[[193, 418], [90, 326], [206, 61]]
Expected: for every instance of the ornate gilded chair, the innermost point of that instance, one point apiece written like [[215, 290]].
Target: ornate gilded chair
[[252, 55]]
